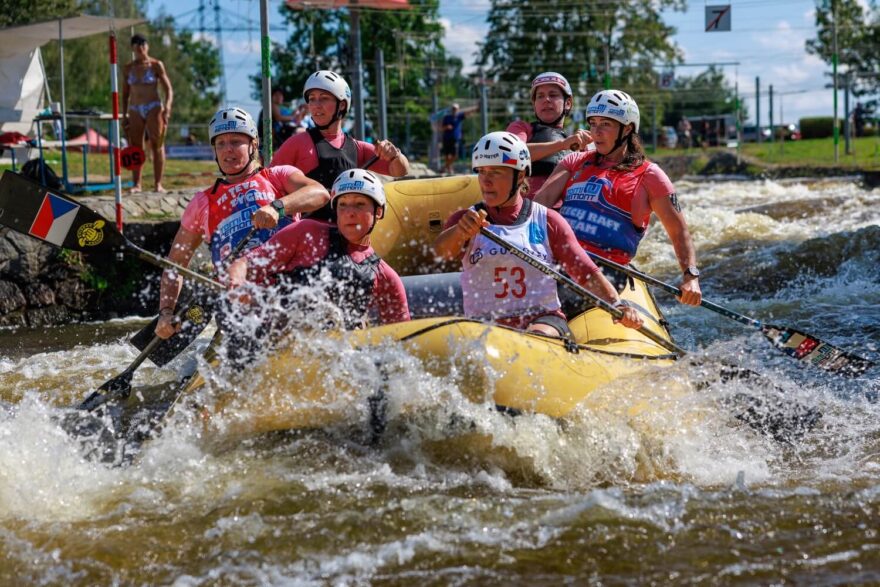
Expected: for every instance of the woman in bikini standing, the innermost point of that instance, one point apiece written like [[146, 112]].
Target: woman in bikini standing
[[142, 107]]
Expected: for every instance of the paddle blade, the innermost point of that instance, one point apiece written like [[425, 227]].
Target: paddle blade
[[194, 320], [813, 351], [53, 217]]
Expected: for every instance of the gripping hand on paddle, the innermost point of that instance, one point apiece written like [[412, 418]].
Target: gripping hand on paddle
[[690, 291], [470, 224], [630, 318], [168, 324]]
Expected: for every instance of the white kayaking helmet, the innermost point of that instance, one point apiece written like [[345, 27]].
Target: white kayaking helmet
[[502, 149], [329, 82], [551, 77], [616, 105], [358, 181], [231, 120]]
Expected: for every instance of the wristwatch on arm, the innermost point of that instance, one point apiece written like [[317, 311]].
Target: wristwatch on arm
[[279, 207], [692, 271]]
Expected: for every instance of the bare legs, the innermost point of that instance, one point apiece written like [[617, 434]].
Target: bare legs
[[156, 127]]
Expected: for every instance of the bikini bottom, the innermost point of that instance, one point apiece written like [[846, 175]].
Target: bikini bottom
[[144, 109]]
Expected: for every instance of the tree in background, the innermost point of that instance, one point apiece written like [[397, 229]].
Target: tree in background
[[527, 37], [858, 43], [707, 93], [17, 12], [416, 62], [193, 65]]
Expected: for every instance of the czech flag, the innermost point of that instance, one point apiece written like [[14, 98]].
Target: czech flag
[[508, 160], [54, 219]]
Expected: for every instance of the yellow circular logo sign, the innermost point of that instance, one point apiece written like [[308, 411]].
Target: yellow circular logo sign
[[195, 315], [90, 233]]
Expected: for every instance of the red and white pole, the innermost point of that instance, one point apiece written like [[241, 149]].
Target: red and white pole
[[114, 131]]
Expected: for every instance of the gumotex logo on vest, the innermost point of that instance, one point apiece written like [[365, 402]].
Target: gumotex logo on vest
[[587, 191], [54, 219]]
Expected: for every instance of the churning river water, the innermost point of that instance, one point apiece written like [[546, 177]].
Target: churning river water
[[689, 495]]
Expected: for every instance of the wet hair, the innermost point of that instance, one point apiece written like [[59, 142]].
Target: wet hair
[[635, 153], [138, 39]]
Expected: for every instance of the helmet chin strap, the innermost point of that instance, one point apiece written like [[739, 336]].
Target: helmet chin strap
[[336, 116], [565, 112], [222, 180], [251, 159], [514, 188], [621, 139]]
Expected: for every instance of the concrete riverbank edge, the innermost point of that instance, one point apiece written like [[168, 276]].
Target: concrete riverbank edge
[[41, 285]]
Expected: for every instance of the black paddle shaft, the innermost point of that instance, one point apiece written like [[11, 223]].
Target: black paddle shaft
[[581, 291], [794, 343]]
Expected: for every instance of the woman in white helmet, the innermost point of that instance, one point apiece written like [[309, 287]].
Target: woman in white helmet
[[608, 195], [552, 100], [360, 282], [323, 152], [246, 196], [497, 285]]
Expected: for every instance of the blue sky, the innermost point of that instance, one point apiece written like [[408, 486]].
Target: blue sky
[[767, 40]]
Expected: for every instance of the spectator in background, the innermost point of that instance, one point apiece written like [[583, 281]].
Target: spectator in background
[[143, 110], [451, 126], [283, 120], [859, 119], [684, 133]]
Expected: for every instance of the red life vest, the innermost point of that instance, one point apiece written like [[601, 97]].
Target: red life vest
[[230, 207], [598, 206]]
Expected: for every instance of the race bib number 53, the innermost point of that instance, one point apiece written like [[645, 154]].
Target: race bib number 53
[[510, 281]]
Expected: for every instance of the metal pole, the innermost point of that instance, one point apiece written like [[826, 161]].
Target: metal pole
[[738, 120], [834, 73], [218, 32], [265, 52], [654, 126], [63, 105], [758, 108], [380, 94], [607, 68], [484, 107], [847, 128], [357, 76], [770, 111], [114, 132]]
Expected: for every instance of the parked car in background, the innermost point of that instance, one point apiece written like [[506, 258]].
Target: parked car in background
[[750, 133], [789, 132]]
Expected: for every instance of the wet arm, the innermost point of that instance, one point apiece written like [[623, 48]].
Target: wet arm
[[552, 190]]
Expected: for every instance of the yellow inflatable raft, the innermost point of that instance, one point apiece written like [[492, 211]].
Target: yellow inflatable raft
[[414, 216], [315, 383]]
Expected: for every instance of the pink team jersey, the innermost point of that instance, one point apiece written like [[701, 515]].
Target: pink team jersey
[[299, 150]]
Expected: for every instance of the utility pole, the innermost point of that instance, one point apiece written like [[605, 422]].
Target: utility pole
[[847, 127], [380, 87], [834, 73], [770, 100], [219, 37], [758, 108]]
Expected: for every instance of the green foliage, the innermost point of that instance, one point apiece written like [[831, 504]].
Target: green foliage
[[705, 94], [19, 12], [527, 37], [817, 127], [85, 272], [416, 62], [858, 39]]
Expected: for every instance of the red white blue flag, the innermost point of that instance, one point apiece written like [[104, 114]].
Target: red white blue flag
[[54, 219], [508, 160]]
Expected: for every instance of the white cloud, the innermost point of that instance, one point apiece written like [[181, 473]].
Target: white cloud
[[461, 41]]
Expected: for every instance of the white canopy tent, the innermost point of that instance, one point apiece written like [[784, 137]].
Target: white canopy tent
[[22, 78]]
